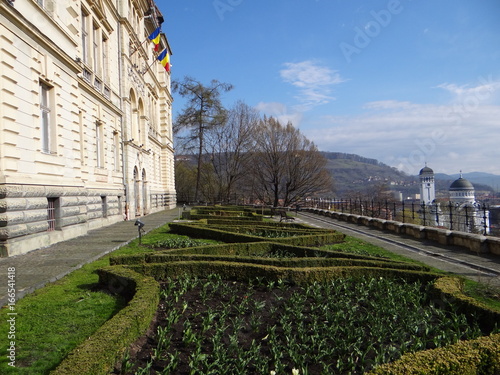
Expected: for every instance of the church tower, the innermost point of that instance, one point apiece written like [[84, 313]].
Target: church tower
[[427, 186]]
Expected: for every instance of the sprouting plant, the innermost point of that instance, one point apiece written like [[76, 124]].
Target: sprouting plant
[[177, 243], [172, 363], [145, 370], [126, 363]]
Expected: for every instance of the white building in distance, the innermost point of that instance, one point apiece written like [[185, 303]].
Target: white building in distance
[[85, 119], [462, 212]]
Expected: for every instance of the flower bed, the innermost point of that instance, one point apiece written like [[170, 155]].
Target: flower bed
[[347, 325]]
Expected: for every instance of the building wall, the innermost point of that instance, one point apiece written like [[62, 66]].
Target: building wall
[[67, 161]]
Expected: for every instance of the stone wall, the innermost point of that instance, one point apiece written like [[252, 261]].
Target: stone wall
[[476, 243], [24, 224]]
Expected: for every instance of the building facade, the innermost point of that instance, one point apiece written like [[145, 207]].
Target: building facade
[[85, 119]]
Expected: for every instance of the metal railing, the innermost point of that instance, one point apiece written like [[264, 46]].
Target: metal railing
[[465, 217]]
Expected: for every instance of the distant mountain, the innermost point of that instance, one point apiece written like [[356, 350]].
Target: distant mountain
[[480, 180], [356, 174]]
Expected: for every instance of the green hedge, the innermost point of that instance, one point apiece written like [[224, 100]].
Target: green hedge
[[233, 213], [480, 356], [98, 354], [281, 262], [248, 271], [316, 238], [450, 289], [245, 249]]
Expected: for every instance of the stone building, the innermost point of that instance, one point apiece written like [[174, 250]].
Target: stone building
[[85, 119], [461, 212]]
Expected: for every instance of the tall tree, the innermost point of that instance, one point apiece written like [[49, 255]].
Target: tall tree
[[203, 111], [287, 166], [185, 180], [229, 147]]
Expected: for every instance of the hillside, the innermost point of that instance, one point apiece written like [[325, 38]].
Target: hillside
[[354, 174]]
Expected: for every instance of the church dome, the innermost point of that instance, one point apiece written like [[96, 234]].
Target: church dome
[[426, 170], [461, 184]]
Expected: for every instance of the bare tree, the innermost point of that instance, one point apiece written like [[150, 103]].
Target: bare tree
[[229, 147], [287, 166], [202, 112]]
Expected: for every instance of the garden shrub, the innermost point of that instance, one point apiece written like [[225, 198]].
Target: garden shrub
[[247, 271], [314, 238], [450, 289], [98, 354], [480, 356], [257, 249]]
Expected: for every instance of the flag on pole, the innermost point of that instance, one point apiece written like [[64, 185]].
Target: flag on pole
[[164, 59], [155, 38]]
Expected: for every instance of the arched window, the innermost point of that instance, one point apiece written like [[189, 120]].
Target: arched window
[[141, 123], [144, 192], [134, 117]]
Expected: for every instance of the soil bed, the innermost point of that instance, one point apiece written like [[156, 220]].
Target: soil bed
[[214, 326]]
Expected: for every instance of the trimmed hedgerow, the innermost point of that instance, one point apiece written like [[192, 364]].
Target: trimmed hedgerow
[[255, 249], [450, 289], [246, 271], [480, 356], [98, 354], [281, 262], [315, 238]]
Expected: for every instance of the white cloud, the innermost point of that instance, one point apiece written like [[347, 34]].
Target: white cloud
[[406, 135], [482, 92], [313, 81], [280, 112]]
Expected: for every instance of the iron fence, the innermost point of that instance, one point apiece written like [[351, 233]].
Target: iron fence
[[465, 217]]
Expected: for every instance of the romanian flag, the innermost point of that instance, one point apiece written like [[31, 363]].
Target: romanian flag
[[155, 38], [164, 58]]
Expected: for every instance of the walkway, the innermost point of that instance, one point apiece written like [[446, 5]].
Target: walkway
[[484, 268], [37, 268]]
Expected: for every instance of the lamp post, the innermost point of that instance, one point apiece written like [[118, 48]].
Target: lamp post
[[139, 225]]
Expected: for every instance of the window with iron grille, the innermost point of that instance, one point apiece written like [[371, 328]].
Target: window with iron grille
[[51, 213], [104, 206]]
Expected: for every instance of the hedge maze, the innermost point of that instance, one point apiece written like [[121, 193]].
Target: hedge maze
[[254, 248]]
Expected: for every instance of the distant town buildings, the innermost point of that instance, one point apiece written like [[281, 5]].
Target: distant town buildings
[[85, 118], [461, 212]]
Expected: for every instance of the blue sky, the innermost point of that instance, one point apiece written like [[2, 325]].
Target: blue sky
[[402, 81]]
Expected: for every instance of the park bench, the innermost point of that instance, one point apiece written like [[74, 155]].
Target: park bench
[[284, 216]]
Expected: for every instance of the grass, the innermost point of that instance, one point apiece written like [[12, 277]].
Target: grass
[[53, 320], [487, 294], [357, 246]]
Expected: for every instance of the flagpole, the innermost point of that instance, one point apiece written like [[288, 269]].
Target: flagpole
[[135, 50], [149, 67]]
